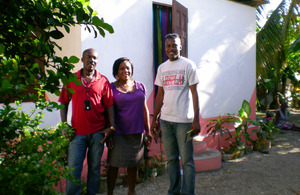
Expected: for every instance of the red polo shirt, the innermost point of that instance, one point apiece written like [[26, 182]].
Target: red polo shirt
[[98, 92]]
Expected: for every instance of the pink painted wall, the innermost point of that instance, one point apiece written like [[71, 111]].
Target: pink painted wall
[[212, 142]]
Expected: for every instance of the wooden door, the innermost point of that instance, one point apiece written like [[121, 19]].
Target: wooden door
[[179, 25]]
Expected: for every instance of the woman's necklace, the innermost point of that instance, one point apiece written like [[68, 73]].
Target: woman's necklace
[[126, 90]]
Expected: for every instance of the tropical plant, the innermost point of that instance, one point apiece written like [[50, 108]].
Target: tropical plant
[[268, 128], [32, 159], [278, 51], [219, 126], [265, 134], [241, 122]]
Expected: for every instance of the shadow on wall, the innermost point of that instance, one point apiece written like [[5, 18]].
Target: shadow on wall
[[132, 37], [222, 44], [225, 56]]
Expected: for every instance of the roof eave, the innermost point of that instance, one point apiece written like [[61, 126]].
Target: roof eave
[[252, 3]]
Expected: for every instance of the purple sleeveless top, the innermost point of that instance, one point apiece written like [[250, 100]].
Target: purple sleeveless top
[[129, 109]]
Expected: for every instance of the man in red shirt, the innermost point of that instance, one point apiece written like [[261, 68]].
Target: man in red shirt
[[89, 102]]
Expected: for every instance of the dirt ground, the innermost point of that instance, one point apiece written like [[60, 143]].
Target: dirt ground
[[276, 173]]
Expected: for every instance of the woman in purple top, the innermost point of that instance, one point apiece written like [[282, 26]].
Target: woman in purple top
[[132, 120]]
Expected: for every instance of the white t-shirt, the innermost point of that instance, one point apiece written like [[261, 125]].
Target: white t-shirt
[[175, 77]]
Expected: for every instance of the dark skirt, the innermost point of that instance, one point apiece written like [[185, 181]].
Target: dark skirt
[[128, 151]]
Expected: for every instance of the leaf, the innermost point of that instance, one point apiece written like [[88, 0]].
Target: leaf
[[73, 59], [101, 31], [74, 79], [79, 15], [56, 34], [96, 21], [90, 10], [108, 27], [50, 72], [6, 84], [34, 66], [88, 28], [67, 28], [57, 92], [295, 47], [254, 122], [242, 113], [77, 82], [100, 23], [2, 48], [71, 90], [247, 108], [64, 79]]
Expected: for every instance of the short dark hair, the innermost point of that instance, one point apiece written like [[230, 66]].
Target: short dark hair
[[90, 49], [117, 65], [172, 36]]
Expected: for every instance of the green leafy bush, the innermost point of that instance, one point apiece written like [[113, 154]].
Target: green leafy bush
[[33, 159]]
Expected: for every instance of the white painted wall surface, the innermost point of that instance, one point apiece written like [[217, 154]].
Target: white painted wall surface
[[132, 23], [221, 41]]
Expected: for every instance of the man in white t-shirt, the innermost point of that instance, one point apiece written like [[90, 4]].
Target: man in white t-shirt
[[177, 105]]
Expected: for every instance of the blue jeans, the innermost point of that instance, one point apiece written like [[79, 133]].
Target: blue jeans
[[173, 135], [76, 156]]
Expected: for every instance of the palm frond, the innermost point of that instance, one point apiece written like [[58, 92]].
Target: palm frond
[[272, 38]]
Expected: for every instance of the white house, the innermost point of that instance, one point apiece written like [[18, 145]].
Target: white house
[[220, 37]]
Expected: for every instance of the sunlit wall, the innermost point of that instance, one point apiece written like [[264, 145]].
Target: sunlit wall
[[221, 41]]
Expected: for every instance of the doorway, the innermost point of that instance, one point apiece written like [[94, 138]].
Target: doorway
[[168, 19]]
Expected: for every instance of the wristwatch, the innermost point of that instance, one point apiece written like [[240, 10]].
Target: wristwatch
[[112, 128]]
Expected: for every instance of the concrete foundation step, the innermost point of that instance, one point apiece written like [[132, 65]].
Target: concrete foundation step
[[199, 146], [208, 160]]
